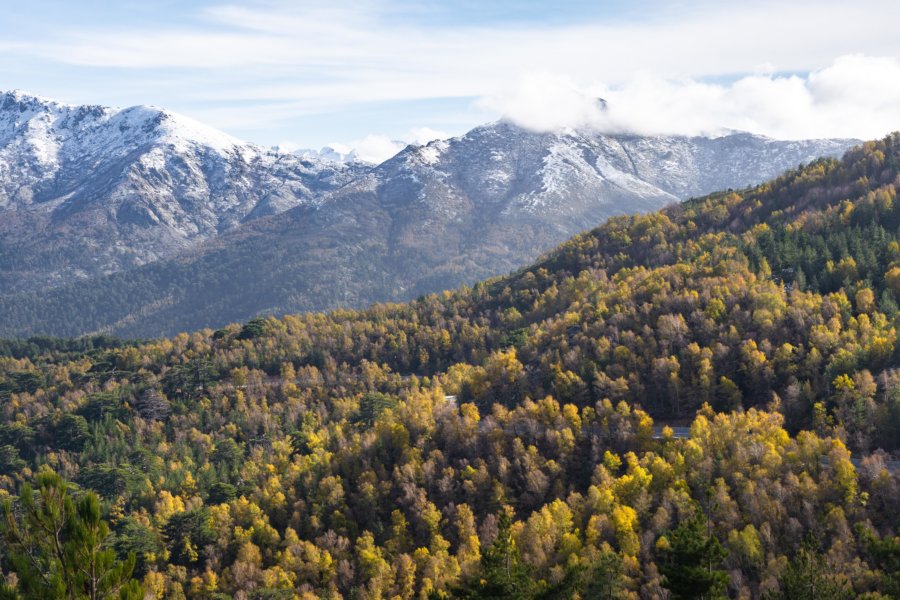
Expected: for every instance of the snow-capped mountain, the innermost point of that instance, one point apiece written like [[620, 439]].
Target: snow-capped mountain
[[90, 190], [495, 198], [431, 218], [583, 177]]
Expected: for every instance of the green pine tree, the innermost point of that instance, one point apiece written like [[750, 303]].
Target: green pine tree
[[808, 577], [605, 579], [56, 545], [689, 562], [502, 575]]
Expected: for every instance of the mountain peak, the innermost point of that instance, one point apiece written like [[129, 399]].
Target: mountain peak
[[141, 123], [25, 98], [177, 129]]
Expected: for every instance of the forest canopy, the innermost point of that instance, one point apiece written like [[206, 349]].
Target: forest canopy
[[515, 439]]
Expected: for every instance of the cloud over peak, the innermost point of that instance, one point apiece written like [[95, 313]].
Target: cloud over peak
[[855, 96]]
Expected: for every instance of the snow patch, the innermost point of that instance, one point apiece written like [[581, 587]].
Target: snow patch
[[431, 153]]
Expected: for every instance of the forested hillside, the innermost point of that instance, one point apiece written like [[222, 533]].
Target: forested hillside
[[509, 440]]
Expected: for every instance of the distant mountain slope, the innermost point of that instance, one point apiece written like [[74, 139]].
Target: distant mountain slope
[[431, 218], [90, 190], [573, 180]]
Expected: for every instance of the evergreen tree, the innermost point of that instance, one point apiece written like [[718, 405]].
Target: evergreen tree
[[689, 562], [502, 576], [57, 547], [807, 577], [885, 554], [604, 581]]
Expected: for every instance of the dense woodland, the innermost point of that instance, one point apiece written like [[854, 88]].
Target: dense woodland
[[508, 440]]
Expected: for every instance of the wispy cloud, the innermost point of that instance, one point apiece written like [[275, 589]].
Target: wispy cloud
[[357, 43], [260, 65]]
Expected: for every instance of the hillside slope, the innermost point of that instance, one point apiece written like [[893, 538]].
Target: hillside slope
[[511, 436]]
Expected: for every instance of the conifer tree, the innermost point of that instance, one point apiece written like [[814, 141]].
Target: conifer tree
[[807, 578], [502, 576], [56, 545], [690, 559]]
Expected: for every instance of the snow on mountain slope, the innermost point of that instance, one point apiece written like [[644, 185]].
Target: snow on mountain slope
[[87, 190], [573, 180]]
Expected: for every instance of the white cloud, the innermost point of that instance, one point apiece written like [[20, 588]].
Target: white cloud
[[423, 135], [288, 146], [856, 96], [372, 148], [547, 102], [267, 64], [379, 148]]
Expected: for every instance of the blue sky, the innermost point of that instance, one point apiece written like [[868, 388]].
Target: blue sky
[[310, 73]]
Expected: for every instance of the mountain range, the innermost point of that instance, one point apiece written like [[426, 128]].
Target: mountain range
[[141, 222], [90, 190]]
